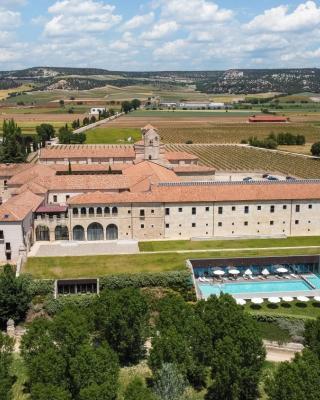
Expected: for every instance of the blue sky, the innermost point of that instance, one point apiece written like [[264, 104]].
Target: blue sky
[[160, 34]]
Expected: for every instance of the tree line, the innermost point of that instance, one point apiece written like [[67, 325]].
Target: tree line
[[273, 140]]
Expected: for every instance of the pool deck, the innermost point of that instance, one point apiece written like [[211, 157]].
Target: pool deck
[[248, 296]]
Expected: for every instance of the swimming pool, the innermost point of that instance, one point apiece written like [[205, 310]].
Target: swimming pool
[[314, 280], [259, 287]]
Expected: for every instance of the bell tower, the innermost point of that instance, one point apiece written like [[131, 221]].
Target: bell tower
[[152, 145]]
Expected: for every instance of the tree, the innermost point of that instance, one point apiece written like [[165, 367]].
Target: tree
[[42, 391], [85, 121], [296, 380], [315, 149], [126, 106], [122, 320], [6, 358], [15, 296], [93, 119], [169, 383], [45, 132], [135, 103], [61, 102], [136, 390], [13, 149], [312, 336]]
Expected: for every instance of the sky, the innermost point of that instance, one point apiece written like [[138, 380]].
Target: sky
[[149, 35]]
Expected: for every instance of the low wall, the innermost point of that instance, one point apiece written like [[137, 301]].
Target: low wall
[[98, 123]]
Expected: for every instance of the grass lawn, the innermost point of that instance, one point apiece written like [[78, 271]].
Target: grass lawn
[[113, 135], [228, 244], [95, 266], [271, 331], [296, 309]]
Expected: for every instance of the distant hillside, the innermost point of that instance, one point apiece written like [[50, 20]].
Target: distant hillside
[[240, 81]]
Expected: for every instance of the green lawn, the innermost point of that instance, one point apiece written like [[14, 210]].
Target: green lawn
[[228, 244], [95, 266], [296, 309], [271, 331], [113, 135]]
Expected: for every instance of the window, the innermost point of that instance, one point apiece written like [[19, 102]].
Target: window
[[167, 211], [219, 223], [297, 208], [91, 211], [141, 213], [114, 210], [1, 235], [152, 211], [55, 198], [142, 226], [180, 209], [296, 222], [310, 206], [194, 211], [246, 209], [167, 225], [99, 211], [220, 210], [259, 208], [8, 246], [271, 222], [83, 211], [129, 211], [284, 207], [67, 197], [193, 225], [272, 209], [233, 208], [207, 208], [245, 223], [75, 211]]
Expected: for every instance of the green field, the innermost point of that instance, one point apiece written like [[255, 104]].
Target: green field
[[192, 113], [112, 135], [95, 266], [172, 245]]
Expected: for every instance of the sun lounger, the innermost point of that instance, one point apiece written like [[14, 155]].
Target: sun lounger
[[286, 276], [293, 275]]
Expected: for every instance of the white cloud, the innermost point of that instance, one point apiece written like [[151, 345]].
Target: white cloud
[[9, 19], [175, 50], [74, 17], [194, 11], [160, 30], [12, 3], [137, 21], [305, 17]]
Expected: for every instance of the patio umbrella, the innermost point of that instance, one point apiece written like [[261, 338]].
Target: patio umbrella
[[257, 300], [303, 298], [282, 270], [240, 302], [274, 300], [234, 271], [316, 298], [287, 299], [248, 272], [218, 272], [265, 272]]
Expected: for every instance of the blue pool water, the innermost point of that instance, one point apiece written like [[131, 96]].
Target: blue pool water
[[314, 279], [257, 287]]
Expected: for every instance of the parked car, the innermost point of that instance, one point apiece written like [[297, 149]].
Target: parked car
[[290, 178], [265, 175], [247, 179], [272, 178]]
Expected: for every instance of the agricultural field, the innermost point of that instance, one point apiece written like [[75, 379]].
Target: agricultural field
[[242, 158], [113, 135], [5, 93]]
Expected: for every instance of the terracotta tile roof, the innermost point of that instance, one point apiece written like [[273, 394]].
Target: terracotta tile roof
[[148, 127], [8, 170], [204, 192], [267, 118], [192, 168], [30, 174], [32, 186], [51, 208], [180, 155], [18, 207], [90, 167], [87, 151], [156, 172]]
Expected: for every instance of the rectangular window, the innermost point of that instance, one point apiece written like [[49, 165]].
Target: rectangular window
[[193, 225], [297, 208], [180, 209], [245, 223], [207, 208], [220, 210], [8, 246], [310, 206], [259, 208], [1, 235], [141, 213], [194, 211], [233, 208], [246, 209], [167, 225], [55, 198], [296, 222], [67, 197], [271, 222], [129, 211], [284, 207], [167, 211], [219, 223], [152, 211], [272, 209], [142, 226]]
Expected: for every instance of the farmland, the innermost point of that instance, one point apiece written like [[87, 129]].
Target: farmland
[[112, 135], [243, 158]]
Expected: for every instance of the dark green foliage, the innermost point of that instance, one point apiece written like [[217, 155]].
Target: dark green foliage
[[169, 383], [40, 287], [15, 296], [42, 391], [136, 390], [135, 103], [66, 136], [13, 148], [126, 106], [45, 132], [85, 121], [122, 319], [53, 306], [75, 124], [6, 380], [315, 149], [312, 336], [272, 141], [265, 143], [296, 380], [93, 119]]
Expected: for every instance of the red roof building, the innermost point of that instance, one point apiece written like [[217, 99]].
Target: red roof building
[[268, 118]]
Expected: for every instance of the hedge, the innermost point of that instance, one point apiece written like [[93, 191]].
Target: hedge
[[41, 287], [52, 306]]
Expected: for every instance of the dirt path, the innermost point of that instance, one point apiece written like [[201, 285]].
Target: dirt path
[[282, 352]]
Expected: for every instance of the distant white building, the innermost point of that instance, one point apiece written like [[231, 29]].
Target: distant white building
[[201, 106], [96, 111]]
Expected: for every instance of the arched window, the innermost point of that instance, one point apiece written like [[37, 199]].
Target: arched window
[[61, 232], [91, 211], [112, 232], [83, 211], [114, 210], [95, 231], [42, 233], [78, 233], [107, 210], [75, 211], [99, 211], [150, 157]]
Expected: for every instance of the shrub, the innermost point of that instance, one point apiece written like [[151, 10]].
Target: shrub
[[41, 287], [53, 306]]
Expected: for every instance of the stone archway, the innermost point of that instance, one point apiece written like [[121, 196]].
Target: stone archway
[[42, 233], [78, 233], [112, 232], [61, 232], [95, 231]]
